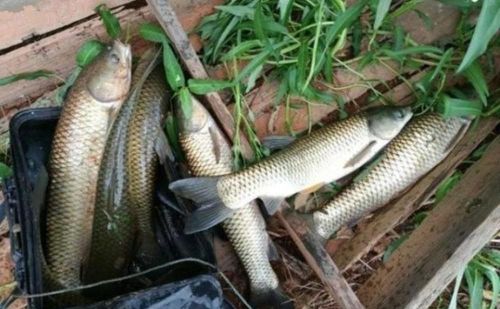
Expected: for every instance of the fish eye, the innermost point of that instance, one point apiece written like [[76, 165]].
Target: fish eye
[[399, 114], [114, 58]]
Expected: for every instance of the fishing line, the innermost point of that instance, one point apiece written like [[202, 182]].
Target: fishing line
[[92, 285]]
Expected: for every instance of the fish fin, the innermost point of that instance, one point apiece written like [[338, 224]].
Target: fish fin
[[206, 217], [454, 141], [275, 142], [170, 201], [271, 299], [313, 188], [201, 190], [272, 251], [162, 148], [272, 204], [360, 156], [216, 144]]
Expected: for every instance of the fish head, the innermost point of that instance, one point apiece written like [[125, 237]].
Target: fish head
[[109, 75], [387, 122], [199, 119]]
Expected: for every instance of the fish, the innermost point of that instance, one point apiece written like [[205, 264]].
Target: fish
[[327, 154], [146, 145], [424, 143], [208, 153], [77, 148], [115, 226]]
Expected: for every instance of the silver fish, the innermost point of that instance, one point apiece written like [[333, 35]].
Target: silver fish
[[209, 154], [325, 155], [424, 143]]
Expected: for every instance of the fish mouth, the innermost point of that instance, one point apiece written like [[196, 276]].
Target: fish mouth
[[123, 50]]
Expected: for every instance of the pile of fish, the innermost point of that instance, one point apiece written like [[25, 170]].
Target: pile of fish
[[109, 143]]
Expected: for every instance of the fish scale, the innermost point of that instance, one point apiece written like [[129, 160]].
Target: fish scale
[[209, 154], [75, 157], [421, 145], [115, 226], [142, 136], [310, 160]]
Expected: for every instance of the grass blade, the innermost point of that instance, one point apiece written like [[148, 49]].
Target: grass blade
[[487, 25], [237, 10], [253, 78], [382, 9], [451, 107], [454, 296], [447, 185], [476, 291], [393, 246], [240, 49], [87, 52], [25, 76], [257, 61], [204, 86], [475, 76], [110, 21], [285, 8]]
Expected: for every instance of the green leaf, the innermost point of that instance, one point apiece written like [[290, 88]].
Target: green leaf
[[357, 36], [171, 129], [253, 78], [382, 9], [173, 70], [224, 35], [285, 8], [258, 23], [240, 49], [475, 76], [343, 21], [447, 185], [257, 61], [282, 91], [418, 218], [5, 171], [411, 50], [25, 76], [237, 10], [87, 53], [451, 107], [151, 32], [439, 68], [487, 25], [302, 59], [476, 291], [204, 86], [399, 38], [185, 99], [110, 21], [491, 273], [393, 246]]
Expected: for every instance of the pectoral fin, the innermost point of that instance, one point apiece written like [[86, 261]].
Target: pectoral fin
[[361, 157]]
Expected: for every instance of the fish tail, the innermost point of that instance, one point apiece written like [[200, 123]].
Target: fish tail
[[272, 298], [203, 191]]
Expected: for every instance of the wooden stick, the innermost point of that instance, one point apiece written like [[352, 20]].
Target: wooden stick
[[443, 244], [318, 259], [165, 15], [400, 210]]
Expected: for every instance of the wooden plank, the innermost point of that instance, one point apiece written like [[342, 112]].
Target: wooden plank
[[318, 259], [168, 20], [26, 19], [390, 216], [57, 52], [441, 246]]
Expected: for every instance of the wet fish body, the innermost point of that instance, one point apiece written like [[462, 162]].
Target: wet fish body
[[75, 157], [144, 144], [115, 225], [209, 154], [325, 155], [424, 143]]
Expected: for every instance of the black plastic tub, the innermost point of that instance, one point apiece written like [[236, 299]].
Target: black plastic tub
[[31, 133]]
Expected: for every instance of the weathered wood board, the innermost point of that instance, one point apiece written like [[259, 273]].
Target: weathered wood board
[[441, 246]]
